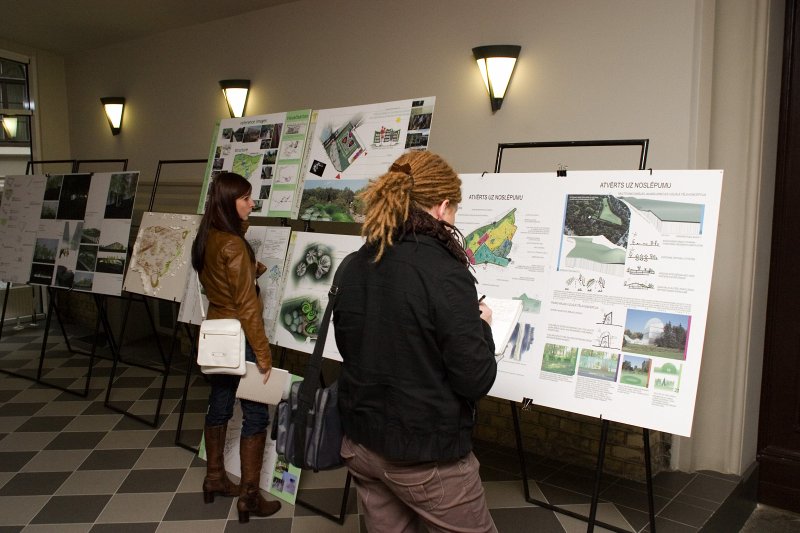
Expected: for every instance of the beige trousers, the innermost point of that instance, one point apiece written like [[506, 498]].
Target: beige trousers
[[418, 497]]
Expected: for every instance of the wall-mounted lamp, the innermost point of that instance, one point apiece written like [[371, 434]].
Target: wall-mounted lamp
[[496, 63], [114, 106], [235, 92], [10, 126]]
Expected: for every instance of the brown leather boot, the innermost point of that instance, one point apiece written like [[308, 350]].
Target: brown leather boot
[[216, 481], [251, 452]]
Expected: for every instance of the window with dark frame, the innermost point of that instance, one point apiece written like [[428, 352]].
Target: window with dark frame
[[15, 102]]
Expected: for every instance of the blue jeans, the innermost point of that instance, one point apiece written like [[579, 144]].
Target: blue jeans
[[223, 396]]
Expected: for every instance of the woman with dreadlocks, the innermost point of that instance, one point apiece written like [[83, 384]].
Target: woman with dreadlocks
[[418, 354]]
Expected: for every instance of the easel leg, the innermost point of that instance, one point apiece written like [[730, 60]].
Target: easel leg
[[649, 473], [5, 306], [546, 505], [189, 369], [597, 475], [520, 450]]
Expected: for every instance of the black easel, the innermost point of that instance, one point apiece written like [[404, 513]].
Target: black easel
[[592, 518], [192, 335], [166, 359], [80, 162], [73, 164]]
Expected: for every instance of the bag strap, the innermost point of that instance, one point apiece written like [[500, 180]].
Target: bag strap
[[200, 300], [310, 383]]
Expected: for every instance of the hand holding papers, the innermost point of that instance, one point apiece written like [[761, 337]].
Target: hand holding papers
[[505, 315], [252, 387]]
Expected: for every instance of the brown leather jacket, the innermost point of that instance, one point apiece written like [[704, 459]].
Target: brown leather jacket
[[229, 278]]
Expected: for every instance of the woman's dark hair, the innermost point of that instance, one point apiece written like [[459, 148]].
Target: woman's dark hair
[[221, 214]]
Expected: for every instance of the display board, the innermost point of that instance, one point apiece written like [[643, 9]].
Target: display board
[[349, 146], [269, 245], [19, 221], [268, 151], [313, 260], [614, 271], [161, 255], [82, 225]]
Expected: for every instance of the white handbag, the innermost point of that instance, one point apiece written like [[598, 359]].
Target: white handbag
[[220, 349]]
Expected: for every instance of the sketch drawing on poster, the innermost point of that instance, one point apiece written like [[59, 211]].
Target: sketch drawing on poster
[[312, 262]]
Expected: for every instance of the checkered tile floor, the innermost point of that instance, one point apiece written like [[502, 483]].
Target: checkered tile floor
[[70, 464]]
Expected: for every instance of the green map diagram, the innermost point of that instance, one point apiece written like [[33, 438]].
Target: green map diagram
[[492, 243], [246, 164]]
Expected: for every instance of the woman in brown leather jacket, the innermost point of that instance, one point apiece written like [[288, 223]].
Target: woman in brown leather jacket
[[227, 269]]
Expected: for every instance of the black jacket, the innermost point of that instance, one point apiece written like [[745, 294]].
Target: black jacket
[[417, 355]]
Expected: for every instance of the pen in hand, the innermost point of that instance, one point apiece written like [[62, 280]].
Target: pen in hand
[[481, 298]]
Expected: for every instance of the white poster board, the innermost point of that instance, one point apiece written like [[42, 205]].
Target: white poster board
[[269, 245], [313, 260], [349, 146], [614, 271], [161, 255], [73, 229], [268, 151]]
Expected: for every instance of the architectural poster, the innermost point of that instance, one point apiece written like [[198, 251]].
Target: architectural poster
[[19, 222], [269, 244], [349, 146], [162, 255], [313, 260], [614, 272], [268, 151], [73, 229]]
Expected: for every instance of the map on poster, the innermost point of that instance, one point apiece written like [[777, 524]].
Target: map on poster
[[73, 229], [614, 272], [313, 260], [349, 146], [268, 151], [162, 255], [269, 244]]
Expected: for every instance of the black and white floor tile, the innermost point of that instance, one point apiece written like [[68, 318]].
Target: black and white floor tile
[[70, 464]]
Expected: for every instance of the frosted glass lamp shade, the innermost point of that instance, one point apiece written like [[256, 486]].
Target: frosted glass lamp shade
[[235, 92], [114, 107], [496, 64]]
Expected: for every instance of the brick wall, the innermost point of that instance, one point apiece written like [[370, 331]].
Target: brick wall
[[572, 438]]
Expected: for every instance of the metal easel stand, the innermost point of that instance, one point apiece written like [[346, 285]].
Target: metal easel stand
[[51, 311], [592, 518], [80, 162], [325, 514], [30, 164], [2, 323], [340, 518], [190, 365], [166, 360]]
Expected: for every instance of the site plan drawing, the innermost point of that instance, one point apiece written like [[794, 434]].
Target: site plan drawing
[[348, 146], [614, 271], [162, 255]]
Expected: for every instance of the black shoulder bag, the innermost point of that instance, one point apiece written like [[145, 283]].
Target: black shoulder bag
[[307, 428]]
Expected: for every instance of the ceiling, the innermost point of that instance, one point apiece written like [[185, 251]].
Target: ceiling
[[67, 27]]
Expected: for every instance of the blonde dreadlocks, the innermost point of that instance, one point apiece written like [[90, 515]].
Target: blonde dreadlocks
[[396, 203]]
